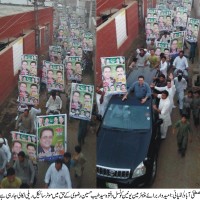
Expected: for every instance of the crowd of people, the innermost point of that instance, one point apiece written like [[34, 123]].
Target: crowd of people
[[19, 163], [164, 52]]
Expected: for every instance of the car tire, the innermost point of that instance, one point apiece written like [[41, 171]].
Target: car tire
[[153, 172]]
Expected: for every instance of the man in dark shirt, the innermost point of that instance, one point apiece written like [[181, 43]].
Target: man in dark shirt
[[141, 89]]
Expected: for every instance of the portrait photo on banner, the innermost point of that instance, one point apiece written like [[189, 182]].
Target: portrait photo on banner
[[192, 30], [55, 54], [45, 66], [81, 101], [29, 88], [113, 74], [177, 42], [55, 77], [24, 142], [73, 68], [29, 64], [52, 137]]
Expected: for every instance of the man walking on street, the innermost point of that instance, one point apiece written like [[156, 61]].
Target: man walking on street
[[164, 112], [24, 169], [181, 85], [57, 176], [183, 131], [79, 161]]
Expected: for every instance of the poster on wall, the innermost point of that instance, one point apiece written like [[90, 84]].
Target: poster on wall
[[113, 74], [52, 137], [55, 77], [120, 24], [81, 101], [29, 87], [192, 30], [24, 142], [17, 49], [29, 65], [177, 42], [73, 67]]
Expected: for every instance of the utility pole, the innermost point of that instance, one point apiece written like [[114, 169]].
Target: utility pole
[[37, 31]]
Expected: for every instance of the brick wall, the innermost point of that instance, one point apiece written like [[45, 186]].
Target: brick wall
[[7, 80], [103, 5], [106, 38], [14, 26]]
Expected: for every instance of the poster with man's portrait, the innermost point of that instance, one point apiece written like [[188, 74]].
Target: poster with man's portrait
[[165, 20], [29, 65], [152, 28], [177, 42], [151, 12], [52, 137], [87, 41], [73, 67], [192, 30], [46, 66], [81, 101], [55, 54], [180, 19], [24, 142], [29, 87], [187, 4], [55, 77], [113, 74], [161, 47]]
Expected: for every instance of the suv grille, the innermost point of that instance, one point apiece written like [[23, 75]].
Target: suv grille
[[113, 172]]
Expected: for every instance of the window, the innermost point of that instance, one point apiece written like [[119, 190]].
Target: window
[[127, 117]]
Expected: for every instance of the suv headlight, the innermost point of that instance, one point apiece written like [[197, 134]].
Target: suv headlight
[[139, 171]]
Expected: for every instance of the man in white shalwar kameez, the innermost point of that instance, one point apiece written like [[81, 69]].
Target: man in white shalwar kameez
[[171, 89], [164, 112]]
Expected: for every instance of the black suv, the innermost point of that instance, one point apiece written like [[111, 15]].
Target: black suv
[[128, 141]]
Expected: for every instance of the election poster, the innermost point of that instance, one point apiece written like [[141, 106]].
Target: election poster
[[29, 65], [29, 87], [81, 101], [151, 27], [162, 47], [73, 68], [87, 41], [165, 20], [192, 30], [55, 54], [177, 42], [46, 66], [113, 74], [187, 4], [55, 77], [151, 12], [24, 142], [52, 137], [181, 15]]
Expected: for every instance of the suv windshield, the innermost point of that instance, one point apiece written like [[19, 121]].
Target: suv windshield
[[127, 117]]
